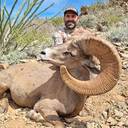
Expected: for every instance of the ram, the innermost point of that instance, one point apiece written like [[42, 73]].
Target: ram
[[60, 84]]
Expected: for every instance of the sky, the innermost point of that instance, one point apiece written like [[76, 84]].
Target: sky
[[58, 6], [61, 4]]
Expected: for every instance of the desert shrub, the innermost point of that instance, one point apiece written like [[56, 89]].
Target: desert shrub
[[13, 57], [118, 34], [111, 15], [104, 18], [14, 33], [89, 21], [57, 21], [36, 47], [12, 25], [98, 6], [32, 50], [112, 19], [31, 36]]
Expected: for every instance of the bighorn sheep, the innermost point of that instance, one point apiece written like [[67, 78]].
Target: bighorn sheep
[[60, 86]]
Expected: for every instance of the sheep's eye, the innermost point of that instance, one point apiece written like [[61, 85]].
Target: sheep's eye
[[66, 53]]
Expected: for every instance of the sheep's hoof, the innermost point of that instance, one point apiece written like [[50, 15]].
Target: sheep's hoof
[[4, 105], [35, 116]]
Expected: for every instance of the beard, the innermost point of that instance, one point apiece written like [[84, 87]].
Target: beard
[[70, 24]]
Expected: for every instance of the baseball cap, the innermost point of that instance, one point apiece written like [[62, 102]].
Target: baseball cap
[[71, 9]]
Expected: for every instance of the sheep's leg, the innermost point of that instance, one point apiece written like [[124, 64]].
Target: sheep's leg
[[35, 116], [3, 100], [4, 105], [5, 82], [3, 89], [52, 117], [49, 113], [4, 77]]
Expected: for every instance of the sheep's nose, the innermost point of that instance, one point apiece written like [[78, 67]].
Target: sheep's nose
[[43, 52]]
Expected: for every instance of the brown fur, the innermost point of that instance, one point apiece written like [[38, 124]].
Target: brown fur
[[39, 85]]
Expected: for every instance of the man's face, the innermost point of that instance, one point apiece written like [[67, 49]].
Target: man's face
[[70, 20]]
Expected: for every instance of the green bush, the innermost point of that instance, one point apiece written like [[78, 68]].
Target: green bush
[[12, 26], [15, 35], [105, 18], [57, 21], [13, 57], [111, 19], [118, 34], [89, 21], [31, 36]]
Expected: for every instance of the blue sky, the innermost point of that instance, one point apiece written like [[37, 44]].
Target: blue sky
[[59, 5]]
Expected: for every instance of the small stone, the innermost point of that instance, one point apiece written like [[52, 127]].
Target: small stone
[[124, 55], [93, 125], [118, 113], [25, 119], [105, 126], [125, 65], [117, 43], [126, 123], [115, 127], [84, 113], [120, 124], [105, 114], [126, 101], [125, 93], [17, 114], [3, 118], [111, 121]]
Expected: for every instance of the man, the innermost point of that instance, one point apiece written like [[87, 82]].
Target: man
[[70, 21]]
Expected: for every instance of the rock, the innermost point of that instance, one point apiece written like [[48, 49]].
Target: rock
[[105, 114], [93, 125], [125, 65], [3, 117], [118, 114], [112, 121], [126, 123], [104, 126], [114, 127], [27, 60], [125, 93], [84, 113], [124, 55], [126, 101], [4, 105], [123, 106], [120, 124], [117, 43]]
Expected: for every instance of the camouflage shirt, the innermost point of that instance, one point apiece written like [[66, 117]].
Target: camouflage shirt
[[61, 36]]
